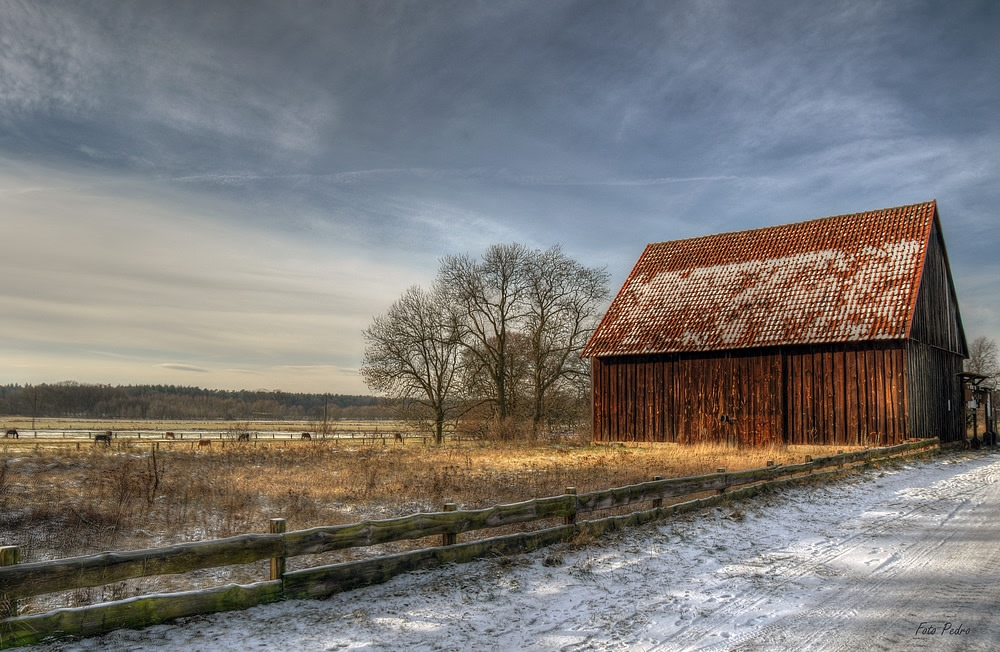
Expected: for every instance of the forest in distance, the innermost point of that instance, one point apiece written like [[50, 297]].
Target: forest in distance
[[70, 399]]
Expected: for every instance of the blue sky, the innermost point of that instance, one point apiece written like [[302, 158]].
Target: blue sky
[[224, 194]]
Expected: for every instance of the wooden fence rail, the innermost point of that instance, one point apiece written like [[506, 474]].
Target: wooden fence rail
[[18, 581]]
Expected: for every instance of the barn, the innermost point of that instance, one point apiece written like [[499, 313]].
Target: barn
[[841, 330]]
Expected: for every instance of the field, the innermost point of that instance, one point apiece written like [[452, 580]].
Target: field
[[895, 558], [66, 496]]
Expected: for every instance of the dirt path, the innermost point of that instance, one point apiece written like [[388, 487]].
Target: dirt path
[[902, 559]]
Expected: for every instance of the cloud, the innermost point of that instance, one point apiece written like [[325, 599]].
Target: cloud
[[241, 186], [104, 272], [177, 366], [48, 59], [111, 66]]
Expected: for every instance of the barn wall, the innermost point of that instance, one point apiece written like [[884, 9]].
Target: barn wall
[[846, 395], [936, 350], [934, 392], [821, 395], [726, 398]]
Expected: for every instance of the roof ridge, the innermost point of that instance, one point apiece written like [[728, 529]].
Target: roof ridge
[[774, 227]]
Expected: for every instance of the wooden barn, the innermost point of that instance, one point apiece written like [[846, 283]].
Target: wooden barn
[[842, 330]]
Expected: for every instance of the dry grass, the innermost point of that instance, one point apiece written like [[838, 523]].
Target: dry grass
[[69, 500]]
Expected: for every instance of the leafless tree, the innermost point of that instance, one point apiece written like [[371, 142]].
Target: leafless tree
[[983, 358], [489, 296], [562, 301], [412, 354], [506, 330]]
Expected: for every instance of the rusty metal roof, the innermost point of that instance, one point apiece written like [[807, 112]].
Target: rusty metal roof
[[848, 278]]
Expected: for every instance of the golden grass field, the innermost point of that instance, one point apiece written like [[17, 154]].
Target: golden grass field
[[71, 497], [175, 490]]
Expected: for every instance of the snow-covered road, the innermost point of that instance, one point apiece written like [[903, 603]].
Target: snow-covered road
[[902, 559]]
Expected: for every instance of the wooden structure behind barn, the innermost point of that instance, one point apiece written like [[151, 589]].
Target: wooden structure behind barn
[[842, 330]]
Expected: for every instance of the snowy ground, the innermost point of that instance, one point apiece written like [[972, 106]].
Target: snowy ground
[[901, 559]]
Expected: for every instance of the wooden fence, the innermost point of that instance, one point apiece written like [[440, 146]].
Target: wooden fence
[[24, 580]]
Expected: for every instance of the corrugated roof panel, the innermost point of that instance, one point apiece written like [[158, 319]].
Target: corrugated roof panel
[[838, 279]]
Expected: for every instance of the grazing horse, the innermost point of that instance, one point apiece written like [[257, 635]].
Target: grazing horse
[[12, 434], [204, 443], [105, 438], [243, 436], [306, 435], [397, 437], [168, 435]]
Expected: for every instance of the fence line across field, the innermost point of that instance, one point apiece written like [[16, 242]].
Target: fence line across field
[[24, 580], [127, 439], [130, 436]]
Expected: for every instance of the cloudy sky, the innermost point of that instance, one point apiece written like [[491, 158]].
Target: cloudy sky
[[224, 194]]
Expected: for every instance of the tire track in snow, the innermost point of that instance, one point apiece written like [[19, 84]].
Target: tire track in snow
[[875, 609], [708, 609]]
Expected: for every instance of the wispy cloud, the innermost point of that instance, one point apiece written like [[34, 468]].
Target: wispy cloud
[[179, 366]]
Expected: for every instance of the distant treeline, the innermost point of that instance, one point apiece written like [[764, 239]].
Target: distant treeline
[[76, 400]]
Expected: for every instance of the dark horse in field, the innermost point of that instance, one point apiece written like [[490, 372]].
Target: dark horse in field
[[12, 434]]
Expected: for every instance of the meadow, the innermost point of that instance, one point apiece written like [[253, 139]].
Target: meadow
[[68, 496]]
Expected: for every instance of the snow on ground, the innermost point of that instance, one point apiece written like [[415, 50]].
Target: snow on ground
[[900, 559]]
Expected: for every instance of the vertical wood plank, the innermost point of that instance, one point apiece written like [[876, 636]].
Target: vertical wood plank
[[808, 398], [829, 418], [851, 396], [879, 403], [838, 397], [792, 389]]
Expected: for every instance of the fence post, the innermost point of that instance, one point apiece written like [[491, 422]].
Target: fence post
[[571, 517], [9, 555], [722, 471], [278, 526], [657, 502], [449, 538]]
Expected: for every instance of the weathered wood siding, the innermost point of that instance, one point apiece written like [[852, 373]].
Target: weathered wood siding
[[936, 350], [934, 393], [845, 395], [734, 398], [810, 395], [937, 321]]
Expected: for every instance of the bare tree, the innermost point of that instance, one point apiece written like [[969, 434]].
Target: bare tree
[[562, 301], [504, 330], [412, 354], [489, 296], [983, 358]]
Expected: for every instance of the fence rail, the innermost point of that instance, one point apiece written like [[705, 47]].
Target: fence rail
[[24, 580]]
